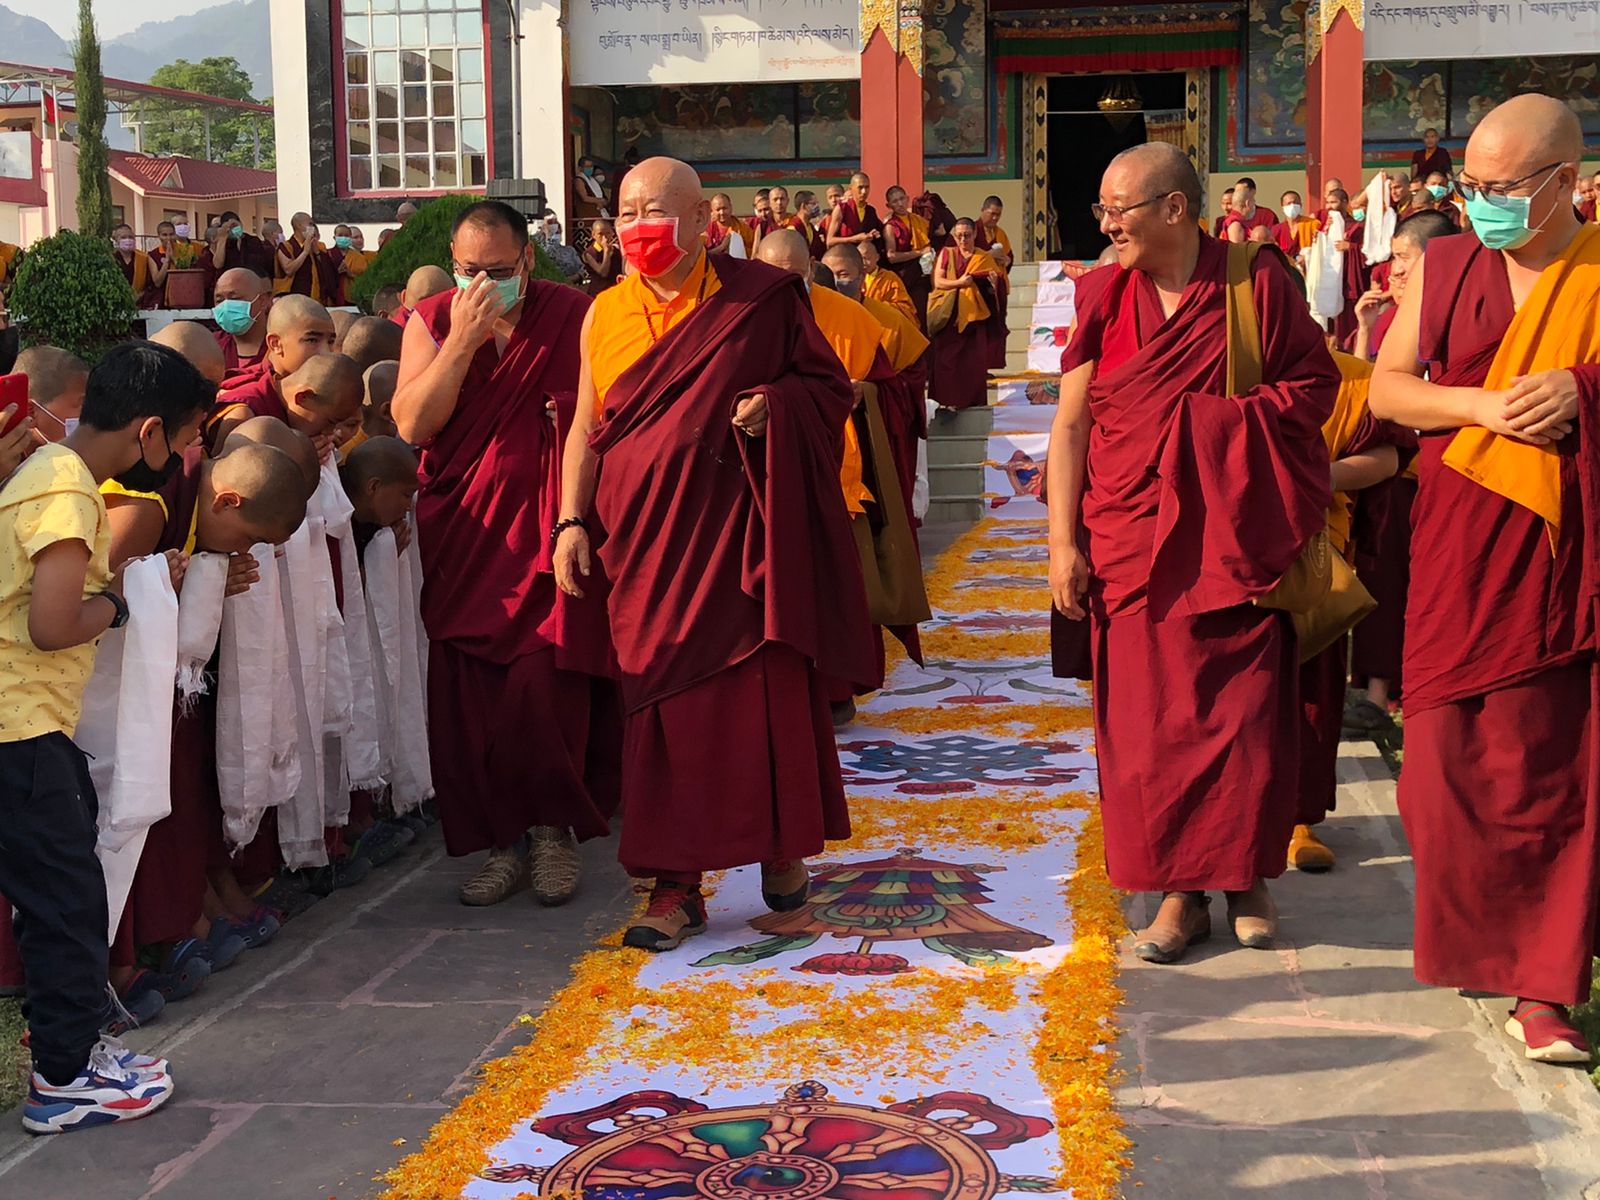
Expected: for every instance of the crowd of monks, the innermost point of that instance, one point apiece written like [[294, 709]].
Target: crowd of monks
[[657, 529], [1231, 427]]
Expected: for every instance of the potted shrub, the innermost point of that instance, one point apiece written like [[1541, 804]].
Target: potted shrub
[[70, 292], [186, 279]]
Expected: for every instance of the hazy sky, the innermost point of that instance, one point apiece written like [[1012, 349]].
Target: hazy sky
[[113, 17]]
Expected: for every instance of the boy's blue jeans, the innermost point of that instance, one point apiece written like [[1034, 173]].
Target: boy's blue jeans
[[51, 875]]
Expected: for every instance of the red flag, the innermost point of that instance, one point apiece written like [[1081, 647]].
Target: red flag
[[50, 109]]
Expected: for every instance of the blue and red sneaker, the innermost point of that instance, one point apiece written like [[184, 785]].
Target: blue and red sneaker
[[104, 1093]]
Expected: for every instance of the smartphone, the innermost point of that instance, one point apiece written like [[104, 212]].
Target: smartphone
[[14, 390]]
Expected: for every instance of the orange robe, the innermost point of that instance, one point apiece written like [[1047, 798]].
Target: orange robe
[[905, 408], [987, 239], [856, 339], [884, 286]]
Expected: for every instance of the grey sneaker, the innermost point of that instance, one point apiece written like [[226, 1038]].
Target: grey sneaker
[[553, 864], [503, 875]]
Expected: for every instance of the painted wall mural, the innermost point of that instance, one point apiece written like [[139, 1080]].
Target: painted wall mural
[[741, 122], [1401, 98]]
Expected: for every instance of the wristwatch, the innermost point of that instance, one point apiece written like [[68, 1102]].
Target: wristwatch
[[121, 605]]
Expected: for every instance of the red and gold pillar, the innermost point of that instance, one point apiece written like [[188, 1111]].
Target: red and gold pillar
[[1334, 75], [891, 94]]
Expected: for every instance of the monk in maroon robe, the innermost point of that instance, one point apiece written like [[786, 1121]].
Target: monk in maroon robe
[[1500, 796], [1172, 506], [905, 240], [230, 246], [305, 262], [973, 339], [247, 347], [854, 220], [705, 464], [482, 369]]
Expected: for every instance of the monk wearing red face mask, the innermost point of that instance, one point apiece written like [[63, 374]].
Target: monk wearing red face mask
[[704, 469], [510, 662]]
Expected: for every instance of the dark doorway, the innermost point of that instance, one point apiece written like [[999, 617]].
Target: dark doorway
[[1082, 140]]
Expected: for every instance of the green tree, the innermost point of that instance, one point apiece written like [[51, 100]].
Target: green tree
[[426, 239], [172, 127], [70, 292], [94, 179]]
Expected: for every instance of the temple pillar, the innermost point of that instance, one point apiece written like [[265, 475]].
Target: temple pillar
[[1335, 73], [891, 94]]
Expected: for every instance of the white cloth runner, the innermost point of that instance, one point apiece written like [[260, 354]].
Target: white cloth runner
[[1325, 271], [126, 726], [395, 625], [199, 620], [359, 743], [1378, 231], [258, 750], [301, 818]]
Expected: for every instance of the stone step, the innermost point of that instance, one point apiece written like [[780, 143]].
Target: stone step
[[955, 451], [954, 511], [966, 422]]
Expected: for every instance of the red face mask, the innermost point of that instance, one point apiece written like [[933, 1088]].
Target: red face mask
[[651, 245]]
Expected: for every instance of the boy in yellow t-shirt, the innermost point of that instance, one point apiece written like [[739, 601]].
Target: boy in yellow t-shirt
[[57, 596]]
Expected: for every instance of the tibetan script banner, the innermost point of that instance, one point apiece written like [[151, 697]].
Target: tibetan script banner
[[1444, 29], [620, 42]]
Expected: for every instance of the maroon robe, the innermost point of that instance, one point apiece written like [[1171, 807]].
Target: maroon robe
[[233, 361], [1262, 218], [852, 221], [1195, 688], [1381, 533], [318, 263], [1323, 679], [247, 251], [1499, 796], [962, 357], [897, 238], [736, 582], [508, 699]]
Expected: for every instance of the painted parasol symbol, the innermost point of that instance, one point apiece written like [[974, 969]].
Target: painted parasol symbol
[[898, 899]]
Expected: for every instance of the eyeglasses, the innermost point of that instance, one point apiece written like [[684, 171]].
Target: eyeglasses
[[1116, 213], [491, 272], [1471, 191]]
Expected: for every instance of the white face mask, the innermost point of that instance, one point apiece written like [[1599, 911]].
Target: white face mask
[[67, 425], [181, 230], [1291, 212]]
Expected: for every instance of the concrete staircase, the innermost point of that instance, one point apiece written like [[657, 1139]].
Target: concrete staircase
[[958, 442]]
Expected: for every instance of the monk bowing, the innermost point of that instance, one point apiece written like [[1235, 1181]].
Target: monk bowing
[[482, 368], [881, 284], [1173, 505], [1499, 791], [704, 466]]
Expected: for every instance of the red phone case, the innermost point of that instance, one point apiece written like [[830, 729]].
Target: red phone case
[[14, 390]]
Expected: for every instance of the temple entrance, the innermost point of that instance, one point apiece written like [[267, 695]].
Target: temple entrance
[[1091, 119]]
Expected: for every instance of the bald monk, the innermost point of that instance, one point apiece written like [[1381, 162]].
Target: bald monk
[[57, 381], [1499, 796], [386, 302], [905, 240], [881, 284], [1364, 453], [508, 660], [342, 320], [297, 330], [880, 517], [377, 419], [965, 347], [321, 400], [905, 409], [304, 263], [1172, 506], [373, 340], [724, 224], [991, 237], [252, 494], [272, 432], [853, 219], [426, 281], [240, 311], [1381, 532], [735, 583], [194, 341], [380, 478]]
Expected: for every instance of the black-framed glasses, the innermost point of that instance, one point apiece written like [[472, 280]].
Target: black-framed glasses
[[1116, 213], [498, 273], [1499, 191]]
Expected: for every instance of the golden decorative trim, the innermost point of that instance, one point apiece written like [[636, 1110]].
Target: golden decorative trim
[[901, 23], [1197, 121], [1036, 164]]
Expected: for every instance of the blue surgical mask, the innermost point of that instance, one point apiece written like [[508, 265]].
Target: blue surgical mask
[[1438, 191], [233, 316], [236, 232], [1501, 222], [343, 243]]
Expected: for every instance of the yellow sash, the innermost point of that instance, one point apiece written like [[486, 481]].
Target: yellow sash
[[1557, 326], [1350, 406]]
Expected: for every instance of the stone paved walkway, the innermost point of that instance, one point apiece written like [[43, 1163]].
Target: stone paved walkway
[[1319, 1071]]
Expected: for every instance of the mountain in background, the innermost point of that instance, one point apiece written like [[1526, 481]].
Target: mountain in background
[[239, 29]]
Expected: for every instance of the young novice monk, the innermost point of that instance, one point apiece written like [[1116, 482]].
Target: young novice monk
[[376, 419], [372, 340], [298, 330], [321, 399], [192, 340], [380, 477]]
